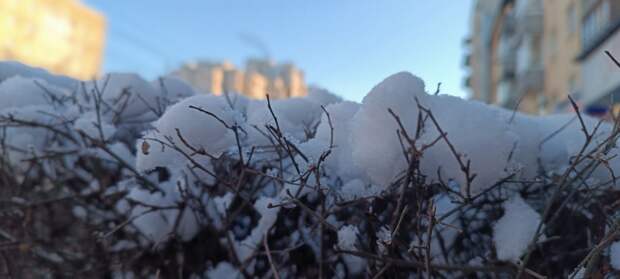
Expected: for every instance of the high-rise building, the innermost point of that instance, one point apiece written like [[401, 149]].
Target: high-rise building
[[600, 27], [206, 76], [62, 36], [478, 58], [562, 41], [522, 53], [293, 80], [255, 85], [233, 80], [261, 77]]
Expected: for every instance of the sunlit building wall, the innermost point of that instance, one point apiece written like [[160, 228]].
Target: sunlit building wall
[[529, 61], [276, 88], [206, 76], [261, 77], [478, 58], [62, 36], [293, 80], [233, 81], [255, 85], [562, 41]]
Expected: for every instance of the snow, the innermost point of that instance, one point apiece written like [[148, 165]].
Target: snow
[[341, 159], [295, 117], [159, 126], [488, 151], [162, 224], [127, 96], [446, 230], [510, 143], [378, 152], [120, 151], [322, 96], [88, 124], [224, 270], [268, 218], [173, 88], [578, 273], [10, 69], [222, 203], [17, 91], [200, 130], [384, 239], [25, 141], [183, 129], [614, 255], [347, 239], [357, 188], [514, 231]]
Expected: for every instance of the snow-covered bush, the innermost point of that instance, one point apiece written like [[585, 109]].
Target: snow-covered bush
[[153, 179]]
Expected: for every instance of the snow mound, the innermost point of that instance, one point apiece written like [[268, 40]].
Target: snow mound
[[295, 116], [10, 69], [341, 160], [17, 91], [173, 88], [513, 232], [376, 146], [322, 96]]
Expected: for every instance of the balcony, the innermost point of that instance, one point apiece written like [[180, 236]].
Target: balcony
[[529, 17], [533, 24], [467, 60], [531, 79], [506, 95], [467, 82], [506, 53], [509, 26]]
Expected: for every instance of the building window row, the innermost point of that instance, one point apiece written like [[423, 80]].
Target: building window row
[[595, 23]]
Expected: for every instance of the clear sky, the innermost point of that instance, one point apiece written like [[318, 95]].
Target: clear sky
[[346, 46]]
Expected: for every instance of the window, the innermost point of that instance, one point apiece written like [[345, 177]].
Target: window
[[595, 23]]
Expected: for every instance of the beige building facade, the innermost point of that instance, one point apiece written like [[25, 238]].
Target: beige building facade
[[525, 54], [261, 77], [562, 45], [478, 58], [62, 36]]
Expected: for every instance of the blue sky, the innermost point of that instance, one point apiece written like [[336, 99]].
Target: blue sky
[[346, 46]]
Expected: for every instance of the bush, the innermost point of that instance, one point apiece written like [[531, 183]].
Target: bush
[[122, 178]]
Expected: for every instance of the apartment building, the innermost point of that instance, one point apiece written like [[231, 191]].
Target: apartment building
[[478, 58], [600, 75], [260, 77], [522, 53], [63, 36]]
